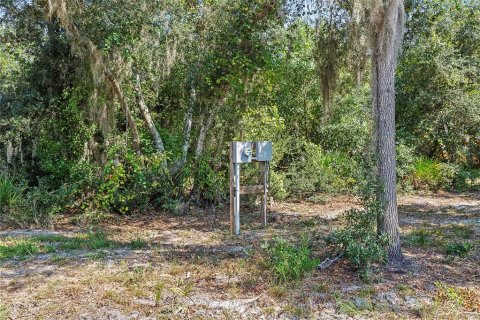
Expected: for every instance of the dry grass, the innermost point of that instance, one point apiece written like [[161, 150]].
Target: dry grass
[[175, 267]]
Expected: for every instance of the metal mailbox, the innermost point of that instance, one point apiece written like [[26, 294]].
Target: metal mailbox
[[246, 152], [241, 152], [263, 150]]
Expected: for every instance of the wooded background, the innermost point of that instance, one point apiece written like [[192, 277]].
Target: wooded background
[[128, 106]]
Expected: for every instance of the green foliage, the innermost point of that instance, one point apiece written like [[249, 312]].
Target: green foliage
[[433, 175], [315, 170], [287, 261], [460, 249], [359, 240], [10, 194], [419, 238], [20, 249], [69, 148], [437, 81], [209, 183], [91, 241], [130, 182]]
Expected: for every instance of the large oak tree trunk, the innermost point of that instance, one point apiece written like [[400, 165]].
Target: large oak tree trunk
[[147, 116], [387, 33]]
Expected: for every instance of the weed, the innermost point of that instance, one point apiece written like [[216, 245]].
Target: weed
[[96, 255], [114, 296], [289, 262], [21, 249], [460, 249], [9, 193], [321, 287], [464, 297], [462, 231], [419, 238], [319, 199], [58, 259], [367, 292], [159, 287], [4, 314], [277, 291], [137, 244], [348, 307], [404, 290], [295, 310]]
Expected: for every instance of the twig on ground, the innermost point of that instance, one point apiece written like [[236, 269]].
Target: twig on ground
[[328, 262]]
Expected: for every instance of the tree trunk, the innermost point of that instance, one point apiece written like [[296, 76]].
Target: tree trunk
[[126, 110], [187, 129], [387, 35], [147, 116], [204, 130]]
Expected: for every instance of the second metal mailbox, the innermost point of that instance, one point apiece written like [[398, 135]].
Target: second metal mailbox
[[263, 150]]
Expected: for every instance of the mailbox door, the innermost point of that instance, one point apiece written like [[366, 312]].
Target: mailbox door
[[241, 152], [263, 150]]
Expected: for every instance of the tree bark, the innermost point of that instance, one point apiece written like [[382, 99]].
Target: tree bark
[[147, 116], [126, 110], [386, 39], [205, 128], [187, 129]]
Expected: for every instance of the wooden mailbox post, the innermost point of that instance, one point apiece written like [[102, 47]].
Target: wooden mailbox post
[[246, 152]]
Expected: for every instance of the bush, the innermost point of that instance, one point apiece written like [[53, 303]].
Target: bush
[[460, 249], [318, 171], [10, 194], [289, 262], [467, 179], [429, 174], [130, 182], [209, 183], [359, 240]]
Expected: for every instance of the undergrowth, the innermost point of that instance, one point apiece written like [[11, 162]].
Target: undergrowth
[[287, 261]]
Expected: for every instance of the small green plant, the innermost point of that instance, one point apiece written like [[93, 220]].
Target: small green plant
[[289, 262], [9, 193], [4, 314], [462, 231], [19, 249], [159, 289], [359, 241], [348, 307], [433, 175], [421, 238], [460, 249], [137, 244]]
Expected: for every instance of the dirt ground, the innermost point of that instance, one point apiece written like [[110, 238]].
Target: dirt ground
[[189, 267]]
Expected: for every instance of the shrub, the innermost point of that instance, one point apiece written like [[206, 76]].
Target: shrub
[[289, 262], [429, 174], [209, 183], [9, 193], [359, 240], [467, 179], [421, 238], [316, 170], [460, 249], [129, 182], [405, 166]]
